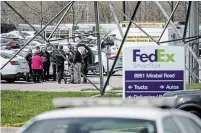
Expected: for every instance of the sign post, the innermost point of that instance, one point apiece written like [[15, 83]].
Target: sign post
[[150, 71]]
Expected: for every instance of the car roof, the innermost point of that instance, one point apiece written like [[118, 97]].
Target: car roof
[[148, 113]]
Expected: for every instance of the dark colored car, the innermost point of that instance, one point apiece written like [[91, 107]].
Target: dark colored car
[[187, 100], [9, 43]]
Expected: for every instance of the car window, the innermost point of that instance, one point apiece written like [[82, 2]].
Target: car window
[[12, 36], [3, 40], [170, 126], [92, 125], [189, 125]]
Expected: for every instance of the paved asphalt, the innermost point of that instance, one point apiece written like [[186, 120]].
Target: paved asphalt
[[51, 86]]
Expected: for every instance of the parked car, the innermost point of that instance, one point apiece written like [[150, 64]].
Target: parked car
[[93, 66], [15, 69], [9, 43], [28, 34], [108, 116], [188, 100], [16, 34], [12, 34], [111, 58]]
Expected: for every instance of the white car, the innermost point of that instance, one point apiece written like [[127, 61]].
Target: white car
[[111, 58], [16, 34], [16, 68], [28, 34], [12, 35], [111, 118]]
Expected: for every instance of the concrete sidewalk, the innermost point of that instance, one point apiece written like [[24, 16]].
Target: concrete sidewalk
[[9, 129]]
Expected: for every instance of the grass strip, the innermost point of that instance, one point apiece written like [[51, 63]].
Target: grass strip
[[20, 106]]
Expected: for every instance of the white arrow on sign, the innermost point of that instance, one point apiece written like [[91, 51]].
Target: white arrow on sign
[[130, 87], [130, 96], [162, 87]]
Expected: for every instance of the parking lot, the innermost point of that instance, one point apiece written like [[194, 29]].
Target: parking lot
[[152, 49], [53, 86]]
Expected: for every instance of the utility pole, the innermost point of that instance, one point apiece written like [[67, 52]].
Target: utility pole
[[99, 44], [73, 22], [194, 31], [41, 14]]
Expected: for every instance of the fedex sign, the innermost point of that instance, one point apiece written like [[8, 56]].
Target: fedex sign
[[158, 55]]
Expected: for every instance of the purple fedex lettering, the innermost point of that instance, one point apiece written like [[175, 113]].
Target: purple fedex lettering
[[135, 55], [154, 59], [144, 57]]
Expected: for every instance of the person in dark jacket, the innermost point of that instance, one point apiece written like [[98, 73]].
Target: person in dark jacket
[[46, 65], [70, 55], [85, 58], [28, 58], [77, 60], [60, 64], [53, 62]]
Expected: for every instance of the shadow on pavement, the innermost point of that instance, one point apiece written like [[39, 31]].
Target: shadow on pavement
[[4, 82]]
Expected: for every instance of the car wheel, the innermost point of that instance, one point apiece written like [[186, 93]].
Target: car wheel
[[10, 80], [96, 71]]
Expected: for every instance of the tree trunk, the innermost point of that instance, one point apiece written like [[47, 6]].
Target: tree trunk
[[73, 22]]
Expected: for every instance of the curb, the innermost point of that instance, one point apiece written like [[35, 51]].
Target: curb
[[13, 125]]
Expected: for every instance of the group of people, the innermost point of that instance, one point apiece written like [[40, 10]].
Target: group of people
[[40, 61], [78, 64], [39, 65]]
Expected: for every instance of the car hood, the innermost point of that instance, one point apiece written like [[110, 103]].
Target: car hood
[[182, 92]]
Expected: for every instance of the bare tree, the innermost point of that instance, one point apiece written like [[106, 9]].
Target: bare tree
[[40, 10], [105, 12], [199, 8]]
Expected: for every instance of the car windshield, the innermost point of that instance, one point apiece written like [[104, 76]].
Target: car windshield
[[92, 125]]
